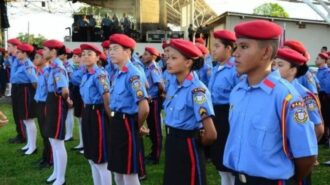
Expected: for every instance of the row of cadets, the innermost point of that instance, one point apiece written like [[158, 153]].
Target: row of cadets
[[223, 79], [94, 90], [323, 75], [57, 103], [293, 65], [78, 71]]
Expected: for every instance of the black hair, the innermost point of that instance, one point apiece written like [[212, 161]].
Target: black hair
[[61, 51], [325, 48], [197, 63], [227, 43], [301, 69]]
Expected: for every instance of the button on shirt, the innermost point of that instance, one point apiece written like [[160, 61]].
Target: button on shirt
[[255, 146], [223, 80], [24, 72], [94, 84], [127, 90], [187, 105], [58, 77]]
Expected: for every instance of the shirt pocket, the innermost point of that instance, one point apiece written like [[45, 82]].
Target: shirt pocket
[[179, 111], [264, 138]]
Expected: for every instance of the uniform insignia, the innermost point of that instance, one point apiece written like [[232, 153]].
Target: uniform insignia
[[135, 77], [139, 94], [269, 83], [310, 78], [199, 98], [203, 112], [136, 85], [310, 103], [57, 78], [297, 104], [199, 89], [300, 116]]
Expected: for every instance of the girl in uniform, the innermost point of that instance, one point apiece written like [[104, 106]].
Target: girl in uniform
[[40, 97], [94, 90], [25, 78], [57, 103], [188, 111], [78, 71], [223, 79], [129, 106], [293, 65]]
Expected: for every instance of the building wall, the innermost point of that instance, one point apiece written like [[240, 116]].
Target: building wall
[[314, 36]]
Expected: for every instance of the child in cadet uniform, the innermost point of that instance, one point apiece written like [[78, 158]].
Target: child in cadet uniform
[[129, 106], [188, 111], [94, 90], [266, 115], [223, 79], [156, 88], [292, 65], [57, 103], [24, 80], [42, 66]]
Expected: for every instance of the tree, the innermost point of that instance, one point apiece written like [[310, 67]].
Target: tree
[[271, 9], [32, 39]]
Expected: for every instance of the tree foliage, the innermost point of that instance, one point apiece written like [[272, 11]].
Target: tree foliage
[[36, 40], [271, 9]]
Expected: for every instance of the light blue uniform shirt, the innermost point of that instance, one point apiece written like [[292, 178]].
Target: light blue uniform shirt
[[58, 77], [41, 91], [323, 75], [23, 72], [308, 81], [154, 77]]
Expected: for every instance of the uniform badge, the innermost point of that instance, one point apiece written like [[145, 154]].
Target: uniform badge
[[297, 104], [133, 78], [199, 98], [310, 103], [203, 112], [136, 85], [300, 116], [139, 94]]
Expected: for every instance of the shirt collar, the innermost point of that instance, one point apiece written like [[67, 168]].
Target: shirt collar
[[92, 70], [267, 84]]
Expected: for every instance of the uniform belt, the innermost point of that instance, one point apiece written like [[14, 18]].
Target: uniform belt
[[244, 178], [22, 85], [182, 133], [93, 106], [121, 115]]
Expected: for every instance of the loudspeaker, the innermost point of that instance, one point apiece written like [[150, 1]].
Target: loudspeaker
[[3, 15]]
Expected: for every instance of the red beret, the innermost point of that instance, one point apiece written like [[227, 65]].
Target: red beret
[[328, 54], [103, 58], [297, 46], [225, 35], [40, 52], [258, 29], [90, 47], [324, 56], [14, 41], [68, 51], [203, 49], [53, 44], [77, 51], [291, 55], [105, 44], [165, 44], [122, 40], [152, 51], [25, 47], [200, 41], [186, 48]]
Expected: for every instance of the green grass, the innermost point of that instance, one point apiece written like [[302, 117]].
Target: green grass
[[16, 169]]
